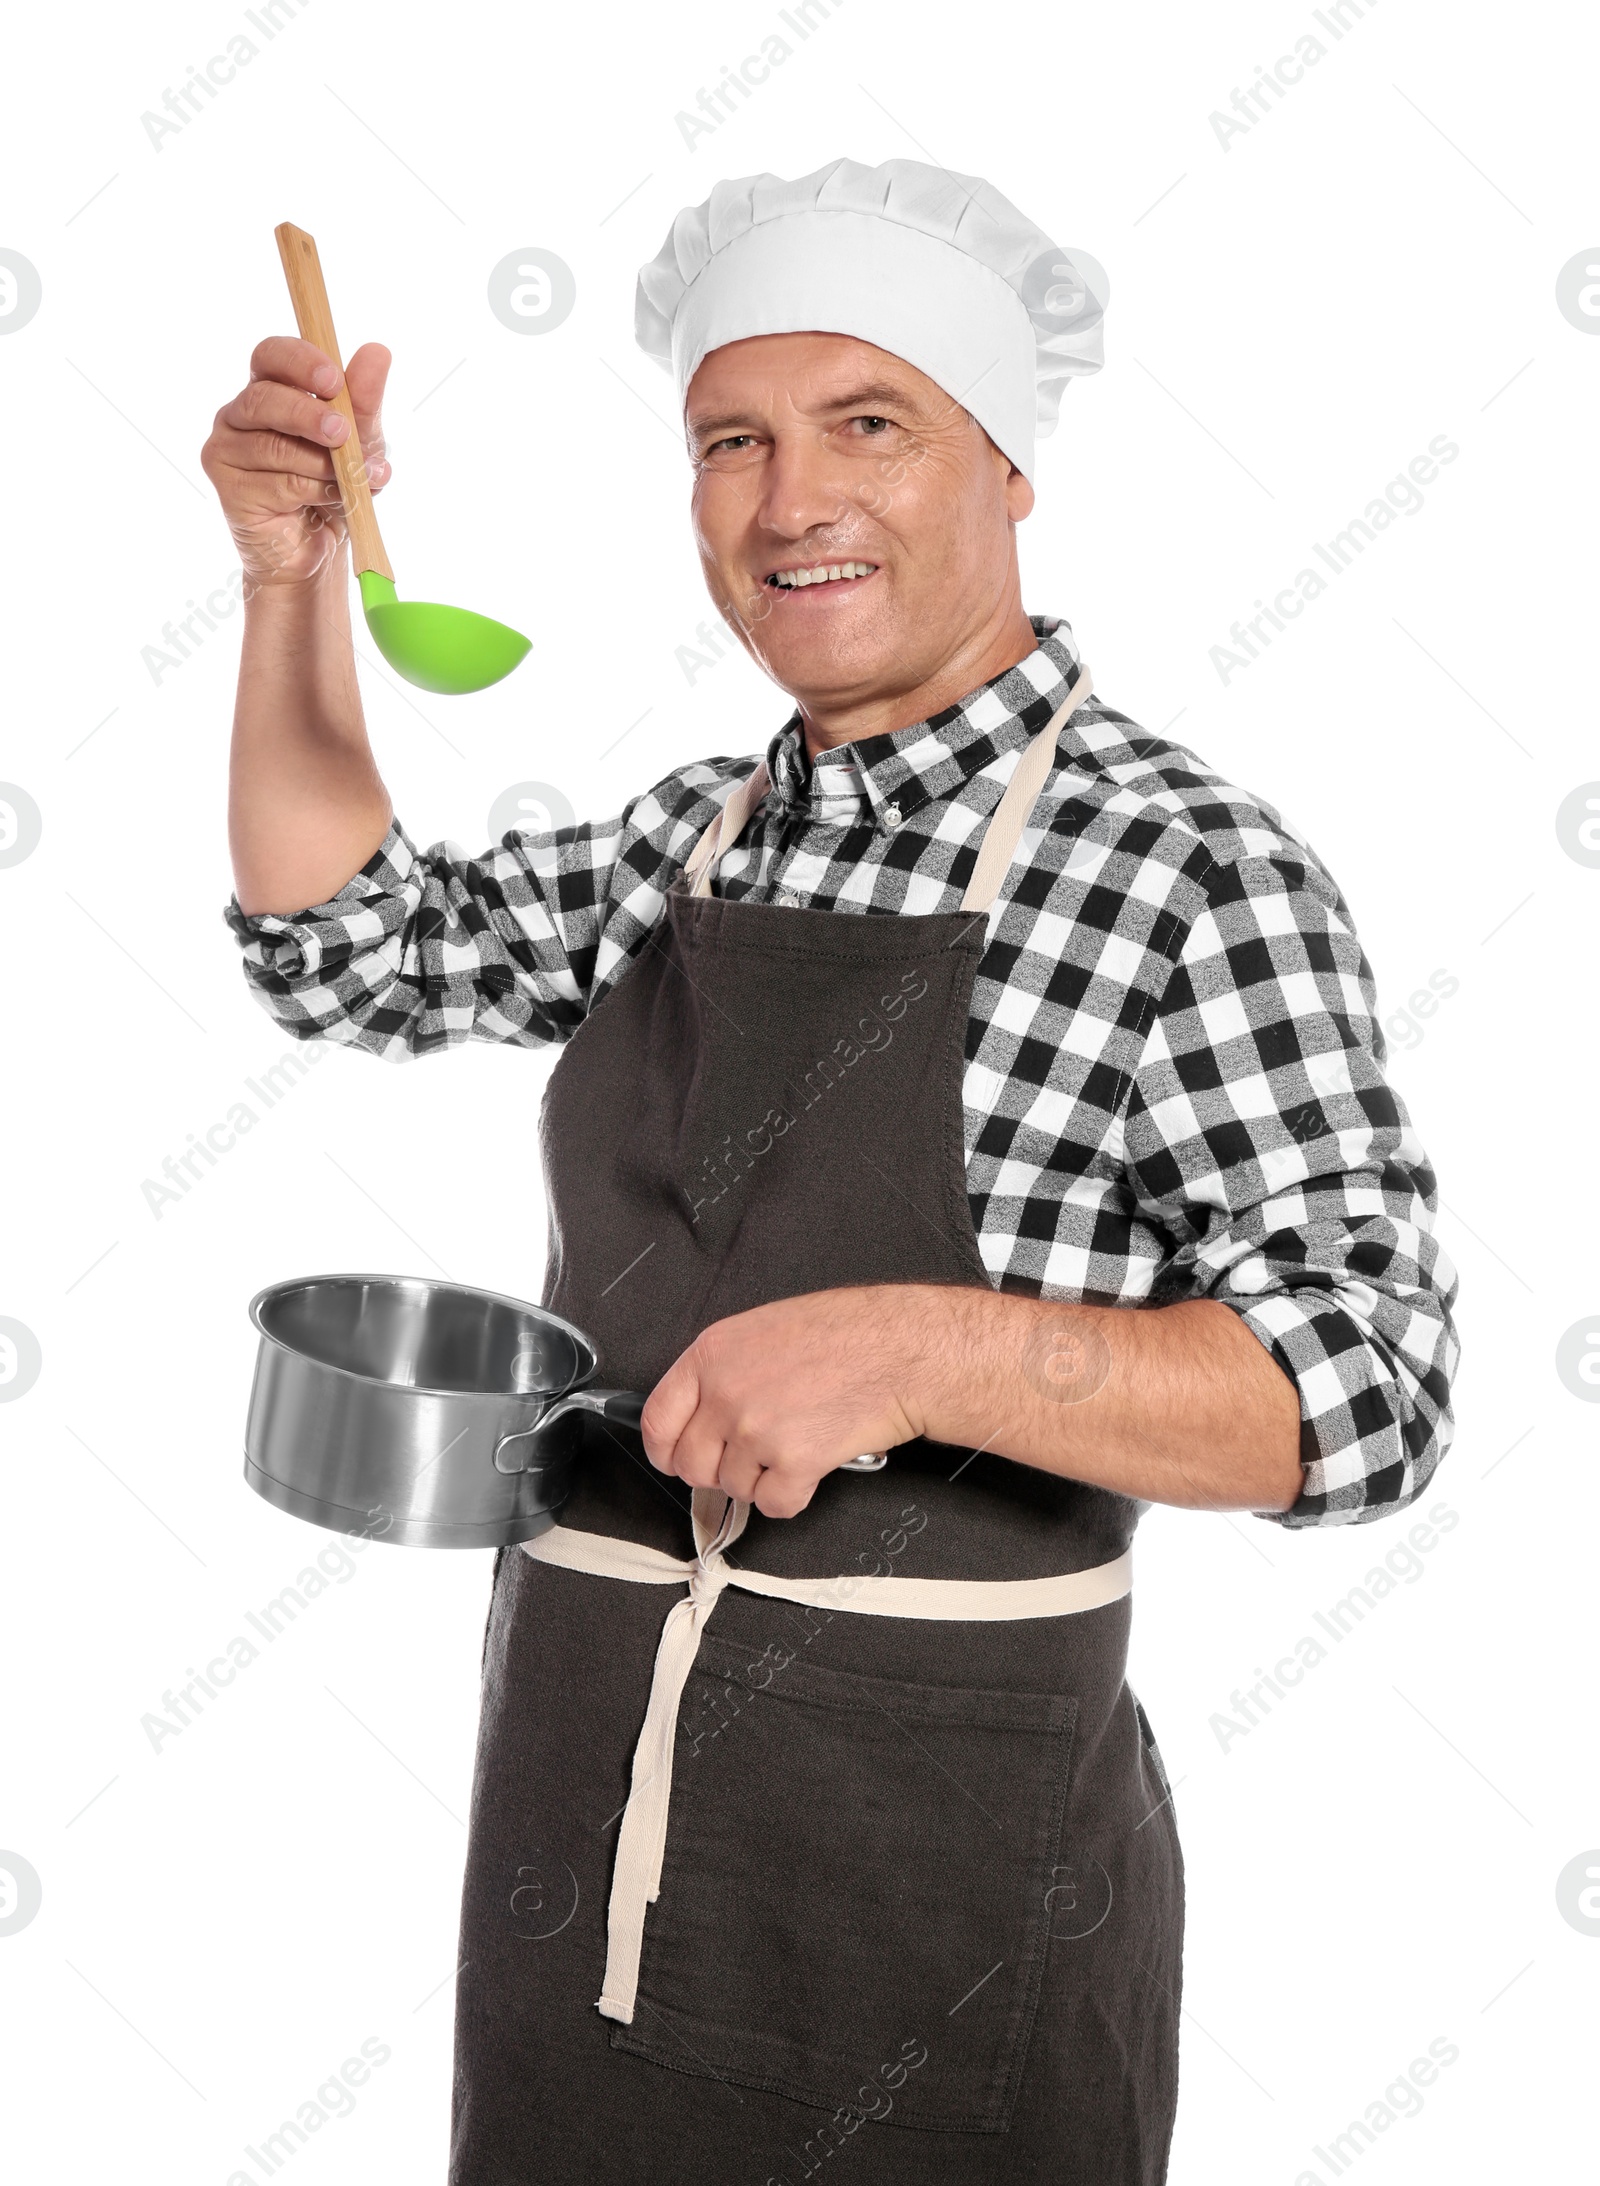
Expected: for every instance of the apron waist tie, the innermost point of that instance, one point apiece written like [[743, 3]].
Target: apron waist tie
[[718, 1522]]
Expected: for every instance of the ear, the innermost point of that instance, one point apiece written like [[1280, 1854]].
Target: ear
[[1019, 495]]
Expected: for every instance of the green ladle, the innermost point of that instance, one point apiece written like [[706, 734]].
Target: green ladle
[[446, 649]]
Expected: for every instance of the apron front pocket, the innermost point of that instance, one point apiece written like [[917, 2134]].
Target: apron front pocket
[[854, 1904]]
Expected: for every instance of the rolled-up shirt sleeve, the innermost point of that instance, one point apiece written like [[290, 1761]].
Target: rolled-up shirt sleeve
[[425, 949], [1264, 1139]]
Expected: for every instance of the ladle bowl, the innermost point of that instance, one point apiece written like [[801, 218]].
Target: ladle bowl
[[446, 649]]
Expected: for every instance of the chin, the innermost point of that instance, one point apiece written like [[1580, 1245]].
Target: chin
[[829, 663]]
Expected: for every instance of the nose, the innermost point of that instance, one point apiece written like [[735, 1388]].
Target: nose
[[801, 487]]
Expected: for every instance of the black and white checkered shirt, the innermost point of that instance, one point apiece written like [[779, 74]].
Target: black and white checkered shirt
[[1174, 1082]]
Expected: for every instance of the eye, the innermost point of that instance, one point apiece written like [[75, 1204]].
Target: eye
[[884, 422], [717, 454]]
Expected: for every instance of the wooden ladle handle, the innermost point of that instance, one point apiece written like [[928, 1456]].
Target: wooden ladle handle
[[314, 315]]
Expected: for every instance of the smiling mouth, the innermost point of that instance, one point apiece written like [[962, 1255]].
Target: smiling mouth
[[832, 576]]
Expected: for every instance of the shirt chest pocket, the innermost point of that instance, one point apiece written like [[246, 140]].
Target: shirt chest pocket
[[854, 1898]]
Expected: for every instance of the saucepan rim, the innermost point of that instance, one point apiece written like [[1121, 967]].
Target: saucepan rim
[[583, 1343]]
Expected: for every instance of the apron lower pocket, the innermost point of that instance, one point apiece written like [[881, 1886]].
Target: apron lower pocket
[[854, 1903]]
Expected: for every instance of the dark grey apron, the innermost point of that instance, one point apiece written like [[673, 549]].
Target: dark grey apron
[[921, 1904]]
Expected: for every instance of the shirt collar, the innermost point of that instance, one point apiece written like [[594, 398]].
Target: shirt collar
[[930, 761]]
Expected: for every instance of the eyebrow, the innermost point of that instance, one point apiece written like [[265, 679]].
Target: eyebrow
[[870, 391]]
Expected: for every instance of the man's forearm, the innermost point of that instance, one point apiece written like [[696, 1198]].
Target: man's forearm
[[306, 805], [1170, 1404]]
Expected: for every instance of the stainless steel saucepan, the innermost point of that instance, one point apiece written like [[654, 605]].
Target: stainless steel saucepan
[[418, 1411], [422, 1412]]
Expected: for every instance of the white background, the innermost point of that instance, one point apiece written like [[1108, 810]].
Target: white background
[[1293, 317]]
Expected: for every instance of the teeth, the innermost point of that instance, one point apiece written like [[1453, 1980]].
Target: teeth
[[793, 579]]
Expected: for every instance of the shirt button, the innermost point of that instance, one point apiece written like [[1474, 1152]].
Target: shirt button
[[891, 815], [787, 900]]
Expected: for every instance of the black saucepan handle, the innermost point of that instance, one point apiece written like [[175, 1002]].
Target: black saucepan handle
[[618, 1407]]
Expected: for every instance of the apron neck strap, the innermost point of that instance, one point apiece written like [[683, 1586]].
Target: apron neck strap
[[1000, 837], [1010, 815], [725, 830]]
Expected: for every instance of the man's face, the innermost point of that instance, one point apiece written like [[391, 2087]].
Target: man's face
[[812, 450]]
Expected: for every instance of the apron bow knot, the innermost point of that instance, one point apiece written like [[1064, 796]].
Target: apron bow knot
[[642, 1840]]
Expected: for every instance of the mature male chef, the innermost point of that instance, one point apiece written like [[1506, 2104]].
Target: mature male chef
[[973, 1078]]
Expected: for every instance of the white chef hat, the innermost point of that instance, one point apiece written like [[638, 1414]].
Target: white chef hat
[[935, 267]]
